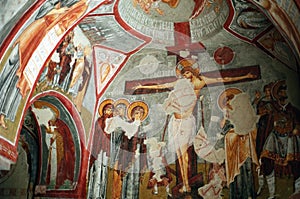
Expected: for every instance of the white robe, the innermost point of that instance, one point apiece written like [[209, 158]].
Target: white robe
[[180, 131]]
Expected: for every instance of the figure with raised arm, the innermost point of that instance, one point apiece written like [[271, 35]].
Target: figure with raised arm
[[180, 105]]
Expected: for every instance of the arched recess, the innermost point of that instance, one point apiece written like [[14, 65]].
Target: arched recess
[[62, 149], [33, 141], [23, 58]]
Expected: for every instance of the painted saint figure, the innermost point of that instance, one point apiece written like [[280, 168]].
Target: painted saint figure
[[132, 159], [264, 108], [13, 82], [86, 76], [65, 151], [118, 139], [101, 149], [180, 105], [10, 96], [136, 162], [282, 145], [61, 144], [239, 141]]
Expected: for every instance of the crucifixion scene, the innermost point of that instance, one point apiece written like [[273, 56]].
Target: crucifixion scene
[[119, 99]]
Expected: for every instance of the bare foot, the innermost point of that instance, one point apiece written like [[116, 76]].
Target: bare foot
[[185, 189]]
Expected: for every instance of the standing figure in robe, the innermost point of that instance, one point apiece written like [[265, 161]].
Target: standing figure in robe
[[132, 159], [86, 75], [65, 151], [264, 108], [66, 52], [61, 141], [282, 146], [240, 150], [180, 105], [77, 78], [14, 84], [117, 137], [101, 149], [10, 96], [136, 165], [102, 138]]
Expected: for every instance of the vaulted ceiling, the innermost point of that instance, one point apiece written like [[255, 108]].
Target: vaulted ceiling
[[140, 38]]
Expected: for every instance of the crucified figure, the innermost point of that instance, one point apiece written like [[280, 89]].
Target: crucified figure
[[180, 105]]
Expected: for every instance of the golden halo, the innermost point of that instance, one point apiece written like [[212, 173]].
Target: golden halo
[[222, 99], [187, 62], [136, 104], [121, 101], [276, 86], [103, 104], [42, 104]]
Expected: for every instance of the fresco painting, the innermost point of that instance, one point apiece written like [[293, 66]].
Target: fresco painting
[[60, 140], [23, 64], [118, 99], [107, 64]]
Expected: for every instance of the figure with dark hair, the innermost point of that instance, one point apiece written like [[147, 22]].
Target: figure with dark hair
[[282, 146], [264, 108], [180, 105], [101, 139], [100, 151], [66, 52]]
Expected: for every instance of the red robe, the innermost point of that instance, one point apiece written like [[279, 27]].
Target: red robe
[[101, 140], [32, 36], [65, 153]]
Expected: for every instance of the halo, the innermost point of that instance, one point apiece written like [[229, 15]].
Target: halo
[[103, 104], [42, 104], [136, 104], [224, 94], [275, 88], [121, 101], [186, 62]]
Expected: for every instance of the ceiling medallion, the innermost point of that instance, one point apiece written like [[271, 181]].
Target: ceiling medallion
[[223, 55]]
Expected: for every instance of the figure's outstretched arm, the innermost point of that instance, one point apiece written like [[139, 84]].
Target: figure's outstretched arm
[[209, 80], [155, 86]]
